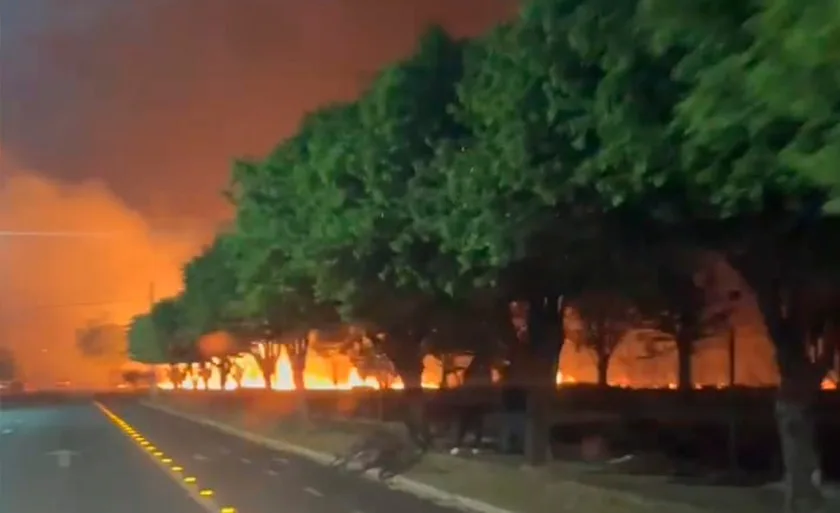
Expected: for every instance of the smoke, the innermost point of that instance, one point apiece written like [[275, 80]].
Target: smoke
[[70, 253], [154, 99], [157, 97]]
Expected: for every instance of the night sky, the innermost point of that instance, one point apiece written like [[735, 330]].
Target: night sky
[[155, 97]]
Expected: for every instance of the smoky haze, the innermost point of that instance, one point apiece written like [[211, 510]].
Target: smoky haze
[[71, 253], [156, 97], [131, 112]]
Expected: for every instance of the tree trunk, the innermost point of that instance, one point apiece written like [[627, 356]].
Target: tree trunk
[[798, 391], [546, 337], [603, 367], [380, 405], [266, 354], [224, 365], [795, 418], [537, 426], [415, 404], [268, 366], [404, 353], [174, 376], [732, 349], [685, 357], [446, 366], [780, 299], [204, 374], [297, 352], [334, 372]]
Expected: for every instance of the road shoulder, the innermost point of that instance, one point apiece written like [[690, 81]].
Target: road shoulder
[[469, 485]]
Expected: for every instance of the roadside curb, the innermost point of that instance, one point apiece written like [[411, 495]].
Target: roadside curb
[[401, 483]]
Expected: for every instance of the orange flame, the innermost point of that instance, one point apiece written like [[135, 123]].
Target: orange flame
[[314, 378], [283, 379], [317, 376]]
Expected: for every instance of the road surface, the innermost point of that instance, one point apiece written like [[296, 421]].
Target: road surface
[[70, 458], [119, 456], [255, 479]]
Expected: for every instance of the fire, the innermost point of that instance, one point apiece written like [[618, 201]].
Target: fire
[[283, 379], [315, 378], [337, 373]]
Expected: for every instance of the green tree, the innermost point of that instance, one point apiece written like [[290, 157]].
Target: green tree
[[144, 344], [756, 129], [277, 306], [102, 340], [402, 119], [760, 70], [567, 116], [161, 337], [210, 294], [605, 318], [334, 196], [168, 319], [682, 307]]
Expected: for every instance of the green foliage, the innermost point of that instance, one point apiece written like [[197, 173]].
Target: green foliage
[[102, 340], [210, 290], [144, 343], [759, 116], [582, 135], [319, 221], [162, 335], [566, 116]]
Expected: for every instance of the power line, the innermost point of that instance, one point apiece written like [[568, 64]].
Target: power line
[[75, 234], [57, 234], [75, 305]]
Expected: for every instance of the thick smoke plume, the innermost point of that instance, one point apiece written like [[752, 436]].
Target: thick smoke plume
[[70, 253]]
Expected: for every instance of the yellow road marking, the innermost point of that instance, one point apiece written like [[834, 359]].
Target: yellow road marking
[[202, 497]]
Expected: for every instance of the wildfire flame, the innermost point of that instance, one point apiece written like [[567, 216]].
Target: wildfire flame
[[317, 376], [283, 380]]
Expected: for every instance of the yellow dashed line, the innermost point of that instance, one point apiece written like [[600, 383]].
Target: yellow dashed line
[[189, 483]]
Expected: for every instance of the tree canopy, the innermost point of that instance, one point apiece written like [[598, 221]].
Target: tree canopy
[[102, 340], [575, 148]]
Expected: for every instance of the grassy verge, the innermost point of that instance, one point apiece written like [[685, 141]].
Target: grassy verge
[[507, 486]]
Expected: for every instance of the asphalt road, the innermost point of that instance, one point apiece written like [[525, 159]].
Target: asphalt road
[[255, 479], [104, 472]]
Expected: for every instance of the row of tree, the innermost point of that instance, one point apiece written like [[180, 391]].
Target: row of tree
[[586, 153]]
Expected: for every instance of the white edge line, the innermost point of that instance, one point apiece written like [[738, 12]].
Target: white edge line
[[207, 504], [401, 483]]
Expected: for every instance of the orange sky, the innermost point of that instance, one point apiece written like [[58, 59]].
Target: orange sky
[[51, 285], [156, 97], [126, 115]]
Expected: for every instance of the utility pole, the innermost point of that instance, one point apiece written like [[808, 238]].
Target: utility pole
[[153, 388]]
